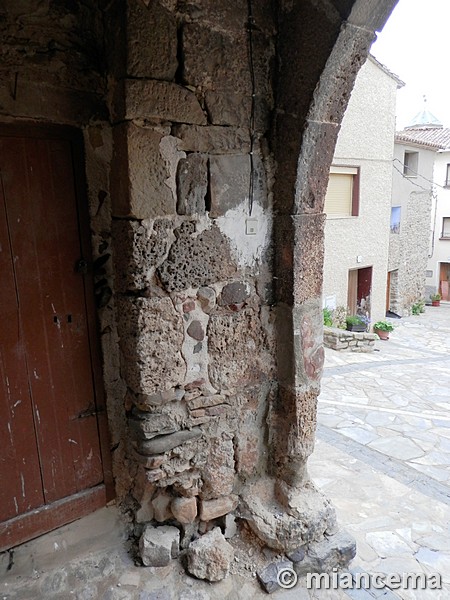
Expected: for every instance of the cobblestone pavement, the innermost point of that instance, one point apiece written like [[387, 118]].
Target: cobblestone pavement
[[384, 428], [382, 456]]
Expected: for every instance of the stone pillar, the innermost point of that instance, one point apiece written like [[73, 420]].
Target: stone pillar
[[293, 512]]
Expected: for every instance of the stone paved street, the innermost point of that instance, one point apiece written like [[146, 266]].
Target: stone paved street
[[382, 456], [384, 425]]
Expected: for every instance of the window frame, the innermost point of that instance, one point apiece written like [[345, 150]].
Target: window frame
[[400, 219], [447, 176], [407, 167], [445, 237], [356, 177]]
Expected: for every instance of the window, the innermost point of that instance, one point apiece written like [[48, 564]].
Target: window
[[410, 164], [396, 212], [342, 198], [447, 177], [445, 228]]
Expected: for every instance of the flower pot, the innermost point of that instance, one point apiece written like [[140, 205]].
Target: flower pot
[[435, 303], [358, 328], [383, 335]]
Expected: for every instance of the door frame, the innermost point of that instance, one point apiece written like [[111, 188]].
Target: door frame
[[48, 517]]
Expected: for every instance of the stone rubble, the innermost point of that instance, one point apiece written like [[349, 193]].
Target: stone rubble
[[159, 545], [210, 556]]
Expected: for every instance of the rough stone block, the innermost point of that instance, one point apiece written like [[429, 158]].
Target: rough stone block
[[311, 189], [268, 577], [40, 100], [233, 293], [139, 249], [192, 184], [161, 507], [151, 41], [148, 426], [230, 526], [232, 17], [248, 453], [205, 401], [371, 14], [164, 443], [239, 350], [212, 139], [308, 257], [307, 517], [150, 462], [218, 473], [211, 509], [180, 271], [210, 556], [148, 99], [184, 509], [139, 174], [211, 55], [151, 336], [159, 545], [333, 551], [228, 108], [229, 182], [147, 402], [337, 80]]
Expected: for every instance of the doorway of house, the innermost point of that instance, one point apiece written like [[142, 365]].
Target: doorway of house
[[392, 298], [444, 279], [52, 468], [359, 290]]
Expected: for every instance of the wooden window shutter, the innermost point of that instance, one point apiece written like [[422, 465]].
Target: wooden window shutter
[[446, 227], [338, 200]]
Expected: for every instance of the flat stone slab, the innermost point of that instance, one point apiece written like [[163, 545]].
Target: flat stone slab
[[398, 447]]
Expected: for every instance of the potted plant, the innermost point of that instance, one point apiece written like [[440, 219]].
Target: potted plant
[[383, 329], [355, 323], [435, 299]]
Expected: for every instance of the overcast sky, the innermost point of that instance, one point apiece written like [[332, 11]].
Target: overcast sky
[[415, 45]]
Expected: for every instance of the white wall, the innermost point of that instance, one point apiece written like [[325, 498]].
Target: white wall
[[366, 140], [441, 250]]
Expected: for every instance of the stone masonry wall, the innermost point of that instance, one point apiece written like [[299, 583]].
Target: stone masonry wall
[[339, 339], [209, 129], [192, 254], [408, 251]]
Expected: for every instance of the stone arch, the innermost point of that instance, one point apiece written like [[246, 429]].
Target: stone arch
[[167, 114]]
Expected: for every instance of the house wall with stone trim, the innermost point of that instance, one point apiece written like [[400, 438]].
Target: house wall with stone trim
[[365, 141], [408, 249], [439, 249], [207, 151]]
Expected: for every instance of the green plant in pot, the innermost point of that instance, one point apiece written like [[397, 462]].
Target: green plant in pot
[[355, 323], [435, 299], [383, 329]]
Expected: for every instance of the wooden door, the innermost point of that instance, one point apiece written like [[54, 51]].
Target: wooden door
[[444, 281], [352, 291], [388, 291], [51, 459]]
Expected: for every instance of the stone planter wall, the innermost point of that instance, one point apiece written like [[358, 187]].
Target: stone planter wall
[[340, 339]]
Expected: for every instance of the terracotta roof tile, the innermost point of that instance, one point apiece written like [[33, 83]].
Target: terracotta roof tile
[[436, 138]]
